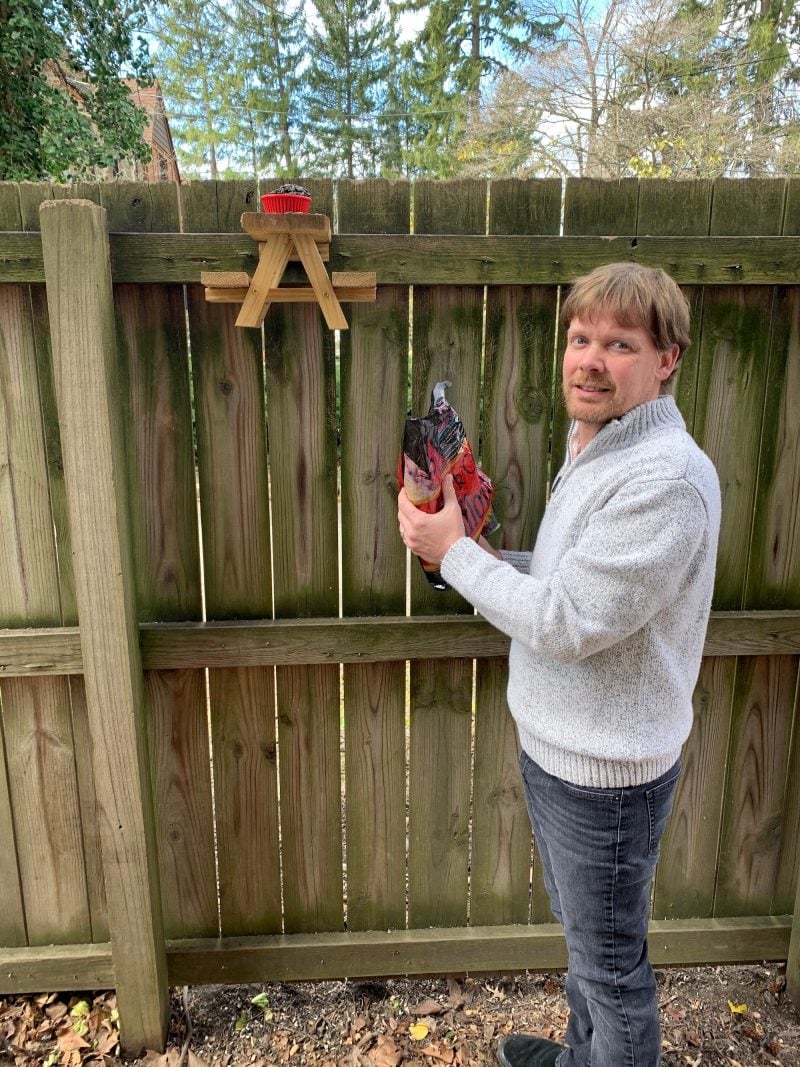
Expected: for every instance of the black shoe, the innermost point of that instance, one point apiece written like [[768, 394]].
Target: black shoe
[[523, 1050]]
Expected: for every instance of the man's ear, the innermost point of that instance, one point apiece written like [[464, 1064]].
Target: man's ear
[[667, 361]]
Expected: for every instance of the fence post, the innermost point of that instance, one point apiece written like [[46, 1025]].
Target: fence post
[[79, 297], [793, 961]]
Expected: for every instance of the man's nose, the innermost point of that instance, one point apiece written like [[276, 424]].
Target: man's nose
[[592, 357]]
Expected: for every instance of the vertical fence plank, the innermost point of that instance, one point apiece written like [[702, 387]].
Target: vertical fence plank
[[10, 212], [31, 196], [684, 884], [751, 832], [153, 369], [140, 207], [518, 387], [773, 573], [77, 265], [685, 879], [69, 614], [36, 715], [302, 449], [12, 914], [786, 880], [676, 209], [734, 357], [234, 497], [216, 207], [374, 383], [447, 345]]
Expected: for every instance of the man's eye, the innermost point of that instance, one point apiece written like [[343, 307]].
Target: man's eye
[[621, 344]]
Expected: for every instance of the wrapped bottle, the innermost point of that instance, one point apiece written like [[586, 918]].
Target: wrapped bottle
[[434, 446]]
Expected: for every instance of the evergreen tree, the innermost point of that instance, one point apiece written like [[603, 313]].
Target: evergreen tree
[[346, 85], [393, 127], [462, 43], [193, 63], [64, 108], [264, 84]]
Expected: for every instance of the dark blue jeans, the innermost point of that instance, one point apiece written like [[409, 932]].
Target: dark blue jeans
[[599, 849]]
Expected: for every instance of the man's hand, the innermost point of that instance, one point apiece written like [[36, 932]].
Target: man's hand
[[430, 536]]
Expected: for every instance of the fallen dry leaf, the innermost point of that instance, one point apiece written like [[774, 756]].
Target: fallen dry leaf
[[69, 1041], [438, 1052], [427, 1007], [386, 1053]]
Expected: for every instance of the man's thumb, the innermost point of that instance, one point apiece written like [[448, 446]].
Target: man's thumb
[[449, 490]]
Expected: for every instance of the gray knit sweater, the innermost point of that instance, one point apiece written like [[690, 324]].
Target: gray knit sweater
[[609, 614]]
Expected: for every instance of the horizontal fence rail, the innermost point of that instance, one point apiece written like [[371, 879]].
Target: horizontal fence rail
[[395, 953], [382, 638], [418, 259]]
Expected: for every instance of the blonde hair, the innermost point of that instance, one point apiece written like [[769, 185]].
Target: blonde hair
[[635, 296]]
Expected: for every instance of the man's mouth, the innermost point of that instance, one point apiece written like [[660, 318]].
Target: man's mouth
[[587, 387]]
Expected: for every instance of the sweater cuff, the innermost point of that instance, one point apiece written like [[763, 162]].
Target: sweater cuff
[[458, 566]]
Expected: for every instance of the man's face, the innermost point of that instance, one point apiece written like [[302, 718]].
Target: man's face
[[609, 369]]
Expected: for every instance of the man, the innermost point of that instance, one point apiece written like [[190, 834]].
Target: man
[[607, 620]]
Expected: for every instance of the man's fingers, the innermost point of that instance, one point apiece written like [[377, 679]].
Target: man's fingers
[[449, 490], [404, 506]]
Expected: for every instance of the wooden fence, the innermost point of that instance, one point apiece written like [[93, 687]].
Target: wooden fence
[[242, 767]]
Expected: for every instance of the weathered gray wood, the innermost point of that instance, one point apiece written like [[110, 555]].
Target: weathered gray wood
[[751, 838], [498, 949], [141, 207], [687, 870], [667, 209], [419, 259], [10, 211], [518, 372], [447, 339], [267, 642], [302, 454], [369, 206], [153, 367], [374, 382], [31, 196], [40, 761], [592, 206], [12, 913], [786, 881], [685, 878], [520, 206], [501, 830], [56, 967], [216, 207], [234, 500], [82, 324], [90, 822], [35, 716], [482, 949], [793, 957]]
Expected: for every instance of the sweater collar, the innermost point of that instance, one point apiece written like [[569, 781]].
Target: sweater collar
[[659, 414]]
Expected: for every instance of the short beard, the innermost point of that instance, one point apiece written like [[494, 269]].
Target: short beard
[[594, 417]]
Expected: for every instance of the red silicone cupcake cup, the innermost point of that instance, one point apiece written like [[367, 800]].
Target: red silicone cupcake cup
[[280, 203]]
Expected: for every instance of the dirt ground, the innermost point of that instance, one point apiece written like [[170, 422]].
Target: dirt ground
[[737, 1016]]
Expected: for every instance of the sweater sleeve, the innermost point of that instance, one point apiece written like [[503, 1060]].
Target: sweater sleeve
[[520, 561], [627, 564]]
